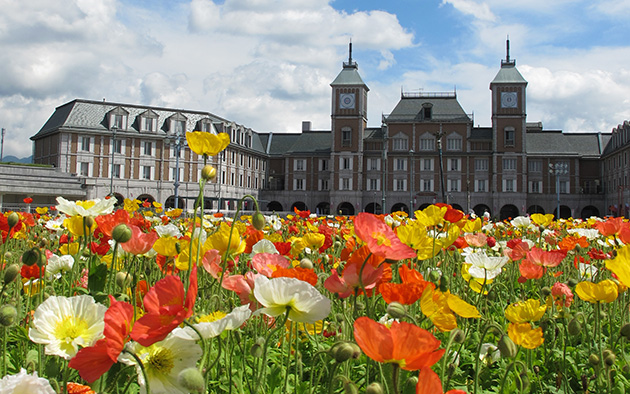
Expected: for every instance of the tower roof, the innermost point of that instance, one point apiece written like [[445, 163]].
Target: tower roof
[[508, 72], [349, 75]]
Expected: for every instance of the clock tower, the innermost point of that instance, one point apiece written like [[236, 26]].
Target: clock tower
[[348, 124]]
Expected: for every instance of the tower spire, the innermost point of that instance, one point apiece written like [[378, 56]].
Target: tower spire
[[350, 63], [507, 61]]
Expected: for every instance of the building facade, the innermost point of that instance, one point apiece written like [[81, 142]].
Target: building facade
[[426, 150]]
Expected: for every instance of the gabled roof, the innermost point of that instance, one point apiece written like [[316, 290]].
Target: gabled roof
[[444, 108]]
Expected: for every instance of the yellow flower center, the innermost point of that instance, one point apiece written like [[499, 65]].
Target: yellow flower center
[[160, 361], [70, 328], [86, 204], [214, 316], [381, 238]]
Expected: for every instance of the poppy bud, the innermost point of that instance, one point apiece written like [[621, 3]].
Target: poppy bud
[[121, 233], [257, 348], [306, 263], [396, 310], [374, 388], [258, 221], [208, 172], [603, 315], [13, 219], [31, 256], [545, 291], [350, 388], [123, 279], [444, 284], [11, 273], [575, 327], [572, 282], [458, 335], [593, 359], [8, 315], [625, 330], [491, 241], [192, 380], [178, 247], [434, 276], [344, 351], [89, 221], [409, 387], [507, 347], [522, 383]]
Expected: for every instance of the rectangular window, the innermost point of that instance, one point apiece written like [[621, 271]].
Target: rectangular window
[[400, 185], [509, 185], [149, 124], [116, 171], [454, 144], [147, 148], [117, 121], [346, 183], [509, 164], [232, 179], [85, 144], [298, 184], [535, 186], [454, 185], [481, 185], [323, 164], [427, 144], [400, 144], [427, 164], [178, 126], [346, 163], [374, 164], [564, 186], [400, 164], [454, 165], [346, 137], [233, 157], [427, 185], [509, 136], [85, 169], [534, 165], [117, 146], [146, 172], [240, 180], [481, 164], [374, 184], [299, 165], [323, 184]]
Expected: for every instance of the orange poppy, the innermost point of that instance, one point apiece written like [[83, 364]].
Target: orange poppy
[[76, 388], [303, 274], [611, 226], [405, 344], [571, 241], [429, 383], [407, 292]]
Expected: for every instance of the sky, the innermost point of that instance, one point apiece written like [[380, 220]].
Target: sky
[[268, 64]]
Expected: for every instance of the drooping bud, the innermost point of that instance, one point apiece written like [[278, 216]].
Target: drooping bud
[[123, 279], [121, 233], [13, 219], [507, 347], [545, 291], [593, 359], [258, 220], [396, 310], [350, 388], [8, 315], [11, 273], [89, 221], [374, 388], [572, 282], [434, 276], [31, 256], [342, 351], [575, 327], [257, 348], [306, 263], [409, 387], [522, 383], [458, 335], [208, 172], [192, 380]]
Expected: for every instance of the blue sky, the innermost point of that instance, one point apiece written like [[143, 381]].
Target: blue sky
[[267, 64]]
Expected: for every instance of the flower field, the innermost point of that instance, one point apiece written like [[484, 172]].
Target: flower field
[[137, 299]]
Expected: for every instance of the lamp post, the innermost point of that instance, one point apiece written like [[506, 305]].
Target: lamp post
[[111, 179], [178, 149], [558, 169], [438, 137], [411, 182]]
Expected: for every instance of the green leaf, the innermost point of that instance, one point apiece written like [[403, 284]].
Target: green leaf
[[97, 278]]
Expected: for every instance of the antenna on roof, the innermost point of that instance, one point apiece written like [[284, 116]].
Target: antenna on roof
[[350, 51], [507, 61]]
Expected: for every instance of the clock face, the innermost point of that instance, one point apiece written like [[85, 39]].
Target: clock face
[[346, 100], [508, 100]]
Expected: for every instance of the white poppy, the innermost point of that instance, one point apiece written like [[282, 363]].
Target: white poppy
[[24, 383], [92, 208]]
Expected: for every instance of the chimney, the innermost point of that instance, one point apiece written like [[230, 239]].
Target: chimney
[[306, 126]]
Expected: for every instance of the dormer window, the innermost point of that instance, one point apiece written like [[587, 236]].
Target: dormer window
[[427, 111], [117, 118], [177, 124], [205, 125], [148, 122]]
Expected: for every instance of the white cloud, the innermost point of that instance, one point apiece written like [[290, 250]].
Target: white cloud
[[478, 10]]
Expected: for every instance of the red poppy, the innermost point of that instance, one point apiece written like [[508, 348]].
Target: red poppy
[[28, 200], [167, 307], [405, 344], [407, 292], [302, 214], [429, 383], [611, 226], [624, 233], [453, 215], [107, 222], [31, 271], [517, 249], [597, 254], [380, 238], [140, 242], [530, 270], [284, 248], [93, 361], [4, 227], [546, 258]]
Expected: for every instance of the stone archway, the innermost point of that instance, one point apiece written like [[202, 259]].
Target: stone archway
[[345, 208], [323, 208], [145, 198], [481, 209], [170, 202], [565, 212], [589, 211], [508, 211], [300, 206], [274, 206], [400, 207], [535, 209], [373, 207]]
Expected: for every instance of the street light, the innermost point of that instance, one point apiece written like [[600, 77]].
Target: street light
[[178, 148], [557, 170], [111, 179], [438, 137]]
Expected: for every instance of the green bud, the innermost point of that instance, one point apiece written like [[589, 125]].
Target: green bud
[[123, 279], [593, 359], [89, 221], [178, 247], [121, 233], [374, 388], [257, 348], [31, 256], [208, 172], [572, 282], [458, 335], [11, 273], [344, 351], [444, 284], [545, 291], [409, 387], [507, 347], [434, 276], [306, 263], [192, 380], [13, 219], [603, 315], [8, 255], [575, 327], [359, 306], [522, 383], [8, 315], [258, 220], [610, 360], [396, 310], [350, 388]]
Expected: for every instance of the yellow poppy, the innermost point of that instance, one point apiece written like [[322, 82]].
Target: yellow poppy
[[131, 205], [524, 335], [441, 308], [205, 143], [222, 241], [604, 291], [472, 226], [620, 265], [431, 215], [314, 241], [74, 224], [166, 246], [542, 220], [70, 248], [525, 311]]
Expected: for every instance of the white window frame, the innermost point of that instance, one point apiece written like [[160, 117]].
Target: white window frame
[[299, 165], [345, 183], [565, 186], [299, 184], [149, 124], [534, 166], [86, 144], [323, 165], [427, 185], [322, 184], [118, 170], [535, 187], [144, 173], [345, 163], [482, 164], [509, 185], [454, 165], [374, 164], [428, 167], [147, 146], [88, 167], [400, 164], [118, 145], [373, 184], [481, 185], [454, 185], [427, 144], [454, 143], [509, 164], [400, 143], [400, 185]]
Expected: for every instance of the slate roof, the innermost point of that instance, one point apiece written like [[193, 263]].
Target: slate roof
[[556, 143], [349, 75], [508, 74], [296, 143], [481, 133], [445, 107]]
